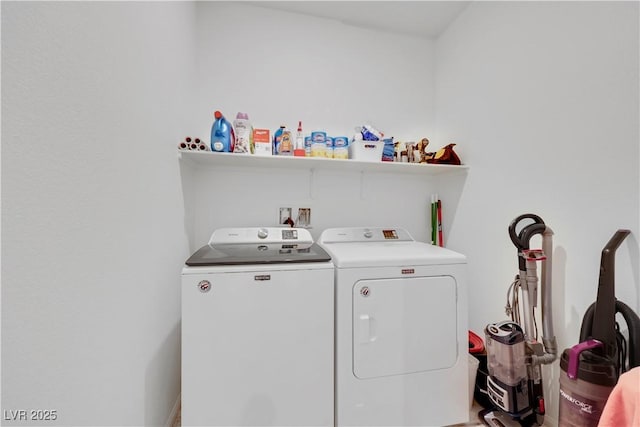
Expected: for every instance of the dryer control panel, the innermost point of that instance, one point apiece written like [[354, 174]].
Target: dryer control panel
[[364, 234], [390, 234]]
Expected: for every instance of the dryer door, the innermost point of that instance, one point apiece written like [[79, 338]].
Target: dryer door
[[404, 325]]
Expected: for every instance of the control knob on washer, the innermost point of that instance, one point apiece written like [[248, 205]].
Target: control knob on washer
[[263, 233]]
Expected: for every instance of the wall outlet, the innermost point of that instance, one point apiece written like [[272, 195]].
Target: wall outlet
[[295, 217], [304, 218], [285, 216]]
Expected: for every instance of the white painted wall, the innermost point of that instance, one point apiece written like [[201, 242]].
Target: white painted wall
[[106, 90], [94, 98], [281, 67], [543, 100]]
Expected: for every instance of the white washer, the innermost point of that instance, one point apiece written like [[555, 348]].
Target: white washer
[[401, 329], [257, 330]]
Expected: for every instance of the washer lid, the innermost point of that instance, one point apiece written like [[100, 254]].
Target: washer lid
[[258, 245], [269, 253]]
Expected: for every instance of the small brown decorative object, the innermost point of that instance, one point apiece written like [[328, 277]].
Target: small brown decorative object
[[444, 156], [420, 152]]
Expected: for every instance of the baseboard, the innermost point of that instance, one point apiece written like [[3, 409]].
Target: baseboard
[[174, 415]]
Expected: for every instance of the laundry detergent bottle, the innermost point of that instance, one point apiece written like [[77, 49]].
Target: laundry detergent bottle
[[277, 139], [222, 136], [244, 134]]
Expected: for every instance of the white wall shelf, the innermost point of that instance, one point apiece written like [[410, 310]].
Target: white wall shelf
[[210, 159]]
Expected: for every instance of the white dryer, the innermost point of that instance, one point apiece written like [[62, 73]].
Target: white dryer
[[257, 330], [401, 329]]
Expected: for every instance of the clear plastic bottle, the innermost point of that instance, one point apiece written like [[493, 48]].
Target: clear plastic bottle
[[286, 144], [277, 137], [222, 135], [282, 142], [298, 148], [244, 134]]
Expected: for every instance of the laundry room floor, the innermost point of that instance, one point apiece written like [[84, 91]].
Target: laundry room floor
[[474, 421], [177, 421], [473, 417]]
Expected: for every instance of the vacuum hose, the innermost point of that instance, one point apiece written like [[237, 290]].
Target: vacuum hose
[[548, 337]]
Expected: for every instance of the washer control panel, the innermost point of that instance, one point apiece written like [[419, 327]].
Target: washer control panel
[[289, 234], [260, 235]]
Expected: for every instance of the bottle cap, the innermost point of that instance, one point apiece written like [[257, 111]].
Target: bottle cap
[[217, 114], [242, 116]]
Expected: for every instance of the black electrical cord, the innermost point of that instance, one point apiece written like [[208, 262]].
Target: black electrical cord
[[621, 342], [512, 308]]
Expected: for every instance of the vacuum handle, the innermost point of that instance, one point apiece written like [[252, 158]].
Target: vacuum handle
[[606, 279], [574, 356], [521, 240], [609, 251], [605, 309], [529, 231]]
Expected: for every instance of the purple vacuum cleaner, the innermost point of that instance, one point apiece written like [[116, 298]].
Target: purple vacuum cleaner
[[590, 369]]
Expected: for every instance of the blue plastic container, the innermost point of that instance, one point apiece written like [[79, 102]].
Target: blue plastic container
[[277, 139], [223, 138]]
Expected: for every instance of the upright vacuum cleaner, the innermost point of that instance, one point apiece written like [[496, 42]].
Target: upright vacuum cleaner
[[514, 355], [590, 369]]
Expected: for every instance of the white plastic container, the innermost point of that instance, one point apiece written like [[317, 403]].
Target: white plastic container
[[340, 147], [318, 144], [244, 134], [262, 142], [473, 371], [366, 151]]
